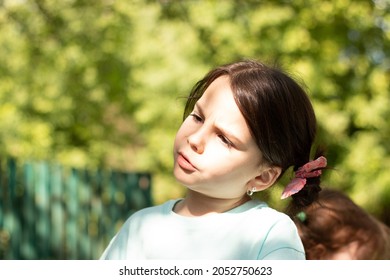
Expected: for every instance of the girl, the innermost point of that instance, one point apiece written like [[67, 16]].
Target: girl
[[244, 125], [336, 228]]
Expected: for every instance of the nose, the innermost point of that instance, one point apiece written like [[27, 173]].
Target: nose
[[197, 141]]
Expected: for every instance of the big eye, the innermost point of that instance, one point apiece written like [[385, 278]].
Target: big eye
[[225, 141], [196, 117]]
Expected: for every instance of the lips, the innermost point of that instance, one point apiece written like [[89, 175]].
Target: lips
[[184, 163]]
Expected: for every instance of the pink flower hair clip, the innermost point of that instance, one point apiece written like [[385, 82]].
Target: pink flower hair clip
[[309, 170]]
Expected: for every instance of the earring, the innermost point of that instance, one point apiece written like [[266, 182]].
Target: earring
[[251, 191]]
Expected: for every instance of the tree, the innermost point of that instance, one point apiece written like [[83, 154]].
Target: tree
[[100, 83]]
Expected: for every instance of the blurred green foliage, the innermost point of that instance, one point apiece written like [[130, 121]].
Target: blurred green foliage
[[101, 83]]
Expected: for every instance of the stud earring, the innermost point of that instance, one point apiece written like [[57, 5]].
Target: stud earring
[[251, 191]]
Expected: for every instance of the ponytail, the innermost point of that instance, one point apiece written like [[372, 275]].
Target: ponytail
[[305, 186]]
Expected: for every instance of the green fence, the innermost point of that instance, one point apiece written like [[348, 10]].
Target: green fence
[[49, 211]]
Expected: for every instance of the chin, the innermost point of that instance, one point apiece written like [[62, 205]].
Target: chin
[[179, 176]]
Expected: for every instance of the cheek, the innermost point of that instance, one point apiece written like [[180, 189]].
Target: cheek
[[232, 163], [186, 128], [180, 136]]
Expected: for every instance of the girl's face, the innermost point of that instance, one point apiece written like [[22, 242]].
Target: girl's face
[[214, 152]]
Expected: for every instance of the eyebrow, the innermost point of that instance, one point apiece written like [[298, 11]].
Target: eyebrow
[[236, 141]]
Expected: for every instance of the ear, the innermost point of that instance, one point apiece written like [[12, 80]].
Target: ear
[[267, 178], [317, 252]]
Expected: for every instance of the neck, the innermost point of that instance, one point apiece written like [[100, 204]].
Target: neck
[[196, 204]]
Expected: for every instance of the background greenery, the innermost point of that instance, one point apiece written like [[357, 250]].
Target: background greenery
[[100, 83]]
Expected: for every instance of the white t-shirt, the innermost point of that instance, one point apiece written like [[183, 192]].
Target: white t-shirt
[[248, 232]]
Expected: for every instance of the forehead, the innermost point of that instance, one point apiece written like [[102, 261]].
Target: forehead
[[218, 104], [219, 95], [220, 110]]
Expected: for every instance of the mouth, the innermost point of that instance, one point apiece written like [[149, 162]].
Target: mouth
[[184, 163]]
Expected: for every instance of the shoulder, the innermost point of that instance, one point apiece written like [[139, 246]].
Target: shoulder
[[275, 218], [133, 230], [259, 208], [261, 218], [281, 238], [153, 211]]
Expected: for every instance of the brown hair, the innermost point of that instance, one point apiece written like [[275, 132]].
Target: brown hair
[[277, 111], [334, 222]]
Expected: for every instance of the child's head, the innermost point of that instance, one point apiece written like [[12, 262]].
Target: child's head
[[334, 227], [276, 110]]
